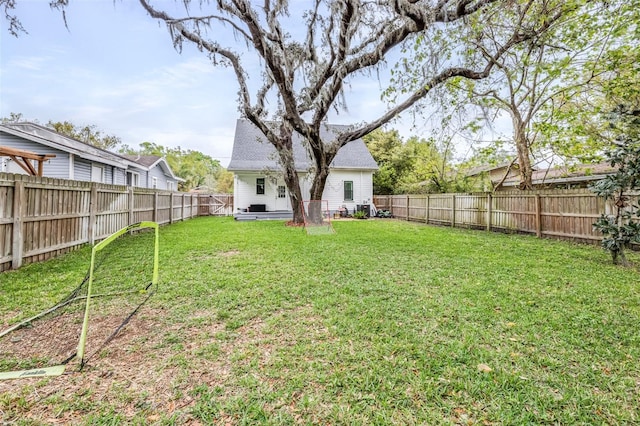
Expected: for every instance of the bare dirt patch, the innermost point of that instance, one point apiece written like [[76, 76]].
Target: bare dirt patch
[[150, 370], [229, 253]]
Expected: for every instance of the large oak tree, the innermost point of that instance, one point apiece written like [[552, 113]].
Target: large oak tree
[[293, 67], [307, 64]]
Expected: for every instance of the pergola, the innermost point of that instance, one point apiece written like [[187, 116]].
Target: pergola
[[22, 158]]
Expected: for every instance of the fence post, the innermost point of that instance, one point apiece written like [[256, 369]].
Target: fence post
[[130, 206], [18, 243], [171, 207], [407, 208], [183, 200], [426, 214], [453, 210], [93, 210], [489, 206], [538, 217], [155, 206]]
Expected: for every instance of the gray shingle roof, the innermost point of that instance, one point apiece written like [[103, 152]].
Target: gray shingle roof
[[252, 151], [50, 137], [150, 161], [144, 160]]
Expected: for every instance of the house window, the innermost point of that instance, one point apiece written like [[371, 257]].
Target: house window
[[348, 190], [133, 179], [282, 191], [170, 185], [97, 173], [154, 182], [260, 186]]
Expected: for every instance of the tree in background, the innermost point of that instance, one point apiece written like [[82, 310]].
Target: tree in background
[[583, 120], [557, 64], [196, 168], [622, 228], [89, 134], [385, 147], [416, 166], [224, 182], [13, 117]]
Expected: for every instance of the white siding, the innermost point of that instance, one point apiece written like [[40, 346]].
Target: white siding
[[245, 189], [143, 177], [161, 179], [362, 188], [82, 169], [119, 176]]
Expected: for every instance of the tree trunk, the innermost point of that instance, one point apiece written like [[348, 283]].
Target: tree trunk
[[524, 161], [284, 147], [620, 258], [319, 182], [291, 179]]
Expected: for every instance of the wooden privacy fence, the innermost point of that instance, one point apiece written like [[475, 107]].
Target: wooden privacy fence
[[564, 214], [41, 218]]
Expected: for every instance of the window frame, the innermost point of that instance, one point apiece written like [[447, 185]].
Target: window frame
[[347, 194], [260, 186], [97, 169], [133, 179]]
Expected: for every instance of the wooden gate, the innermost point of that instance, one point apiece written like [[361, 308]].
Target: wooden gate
[[215, 205]]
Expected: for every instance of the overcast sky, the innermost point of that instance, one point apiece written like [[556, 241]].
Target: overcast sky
[[116, 68]]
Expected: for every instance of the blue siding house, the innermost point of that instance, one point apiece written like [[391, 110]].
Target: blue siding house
[[76, 160]]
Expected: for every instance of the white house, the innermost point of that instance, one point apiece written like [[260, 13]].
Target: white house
[[258, 180]]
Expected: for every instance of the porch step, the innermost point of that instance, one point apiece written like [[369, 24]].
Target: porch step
[[277, 215]]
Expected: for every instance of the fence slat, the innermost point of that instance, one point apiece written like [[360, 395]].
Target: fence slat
[[44, 217], [18, 240], [564, 214]]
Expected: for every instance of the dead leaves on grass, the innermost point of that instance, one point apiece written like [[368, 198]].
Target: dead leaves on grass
[[147, 372]]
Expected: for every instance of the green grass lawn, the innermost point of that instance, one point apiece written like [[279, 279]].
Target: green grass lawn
[[384, 322]]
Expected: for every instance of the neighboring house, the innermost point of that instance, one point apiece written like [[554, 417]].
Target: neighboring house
[[486, 177], [77, 160], [258, 179], [579, 176], [152, 171]]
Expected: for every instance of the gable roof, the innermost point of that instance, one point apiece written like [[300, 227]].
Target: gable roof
[[51, 138], [252, 151], [579, 173], [150, 161], [143, 160]]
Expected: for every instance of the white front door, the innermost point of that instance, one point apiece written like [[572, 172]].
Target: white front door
[[282, 197]]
